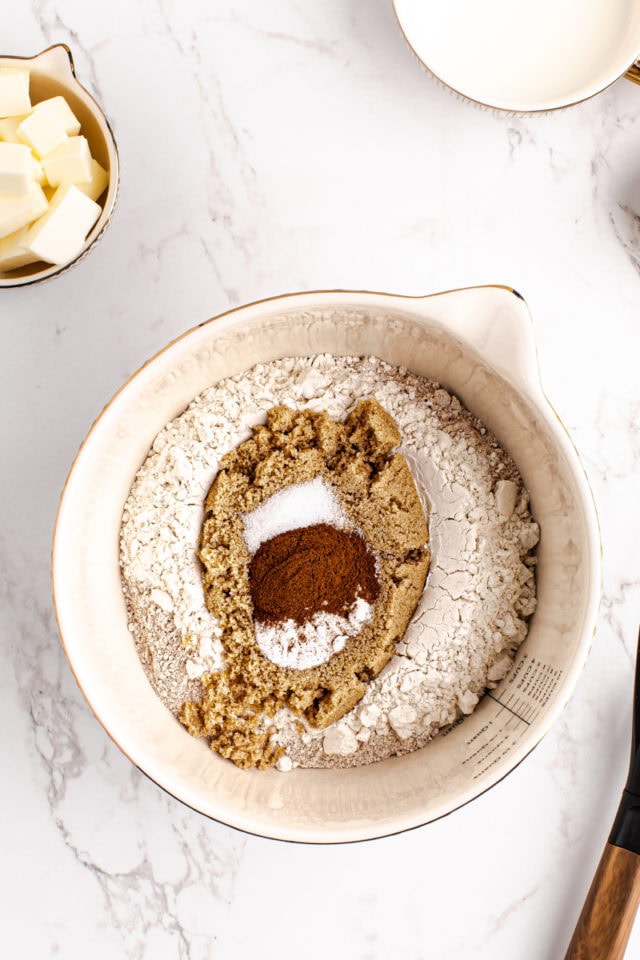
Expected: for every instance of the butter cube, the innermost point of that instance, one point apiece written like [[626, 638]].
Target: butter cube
[[98, 182], [68, 163], [59, 235], [9, 129], [59, 108], [14, 91], [15, 169], [16, 212], [9, 134], [13, 253], [49, 125], [37, 173]]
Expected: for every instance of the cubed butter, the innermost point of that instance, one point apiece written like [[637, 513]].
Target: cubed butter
[[9, 134], [98, 182], [37, 173], [59, 235], [16, 212], [59, 108], [68, 163], [49, 125], [13, 253], [14, 92], [9, 129], [15, 169]]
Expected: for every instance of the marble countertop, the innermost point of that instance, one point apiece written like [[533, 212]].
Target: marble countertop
[[267, 148]]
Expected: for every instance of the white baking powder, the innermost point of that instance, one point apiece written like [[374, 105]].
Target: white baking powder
[[303, 645]]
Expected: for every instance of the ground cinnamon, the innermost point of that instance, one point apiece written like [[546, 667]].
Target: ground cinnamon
[[311, 570]]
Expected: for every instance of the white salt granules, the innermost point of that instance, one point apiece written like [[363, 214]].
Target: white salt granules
[[480, 590], [300, 505]]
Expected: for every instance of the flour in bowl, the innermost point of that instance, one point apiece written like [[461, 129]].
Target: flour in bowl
[[472, 614]]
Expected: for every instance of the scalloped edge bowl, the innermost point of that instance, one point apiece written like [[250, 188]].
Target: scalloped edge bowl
[[53, 74]]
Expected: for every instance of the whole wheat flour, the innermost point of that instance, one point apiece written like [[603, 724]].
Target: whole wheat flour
[[481, 588]]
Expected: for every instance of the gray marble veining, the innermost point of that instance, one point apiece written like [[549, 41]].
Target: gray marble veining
[[268, 148]]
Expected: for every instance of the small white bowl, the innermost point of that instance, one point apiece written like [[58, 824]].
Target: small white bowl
[[53, 74], [478, 343]]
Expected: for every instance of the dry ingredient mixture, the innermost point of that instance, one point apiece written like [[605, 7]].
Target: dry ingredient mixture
[[372, 565], [470, 618], [291, 643]]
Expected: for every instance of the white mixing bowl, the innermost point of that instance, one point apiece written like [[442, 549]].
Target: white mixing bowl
[[531, 55], [479, 344]]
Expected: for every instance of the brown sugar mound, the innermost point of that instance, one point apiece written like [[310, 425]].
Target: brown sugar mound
[[377, 493]]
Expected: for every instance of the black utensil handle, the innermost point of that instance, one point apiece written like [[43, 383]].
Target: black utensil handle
[[625, 831]]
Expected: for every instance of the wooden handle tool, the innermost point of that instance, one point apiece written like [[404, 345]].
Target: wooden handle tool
[[607, 917]]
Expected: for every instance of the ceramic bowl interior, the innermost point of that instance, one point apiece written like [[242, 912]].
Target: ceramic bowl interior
[[53, 74], [477, 343], [523, 56]]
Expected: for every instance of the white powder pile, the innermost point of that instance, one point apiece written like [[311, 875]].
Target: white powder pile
[[480, 590], [309, 644], [300, 505]]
